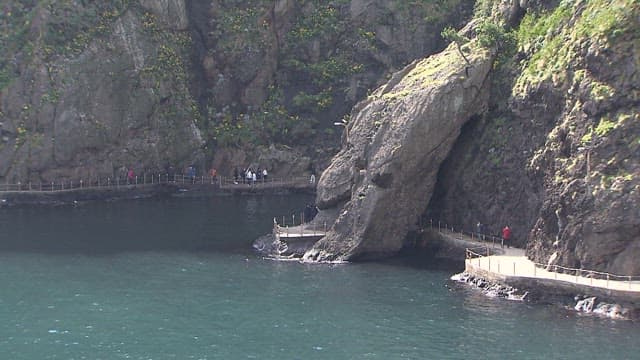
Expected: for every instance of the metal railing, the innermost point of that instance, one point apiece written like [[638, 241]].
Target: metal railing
[[231, 182], [572, 275], [146, 180], [300, 227], [474, 235]]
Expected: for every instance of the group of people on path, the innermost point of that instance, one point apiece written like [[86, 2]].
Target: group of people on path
[[505, 234], [249, 175]]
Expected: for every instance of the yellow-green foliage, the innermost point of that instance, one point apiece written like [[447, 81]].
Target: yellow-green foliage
[[604, 126], [601, 91], [551, 37], [586, 138]]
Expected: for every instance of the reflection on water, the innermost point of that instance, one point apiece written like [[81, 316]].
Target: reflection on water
[[176, 278]]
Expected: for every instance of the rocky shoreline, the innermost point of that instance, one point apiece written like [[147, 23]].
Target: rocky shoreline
[[586, 304]]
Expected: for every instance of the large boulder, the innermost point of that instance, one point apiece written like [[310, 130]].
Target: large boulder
[[384, 176]]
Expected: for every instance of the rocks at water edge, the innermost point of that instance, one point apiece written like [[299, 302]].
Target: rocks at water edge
[[491, 289], [591, 305]]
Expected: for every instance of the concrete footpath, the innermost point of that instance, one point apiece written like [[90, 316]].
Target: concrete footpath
[[512, 267]]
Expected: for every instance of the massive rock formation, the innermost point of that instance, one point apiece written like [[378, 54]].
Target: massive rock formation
[[87, 87], [394, 145], [97, 88], [558, 154]]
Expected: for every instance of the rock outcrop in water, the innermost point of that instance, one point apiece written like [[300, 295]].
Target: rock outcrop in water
[[393, 147]]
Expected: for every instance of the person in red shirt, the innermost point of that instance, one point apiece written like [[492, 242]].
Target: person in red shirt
[[506, 235]]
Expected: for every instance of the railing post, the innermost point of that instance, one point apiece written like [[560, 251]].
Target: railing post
[[555, 273], [607, 281], [80, 183], [514, 269], [498, 267]]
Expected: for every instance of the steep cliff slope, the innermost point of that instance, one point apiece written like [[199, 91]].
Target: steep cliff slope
[[87, 87], [555, 155], [395, 144], [92, 87]]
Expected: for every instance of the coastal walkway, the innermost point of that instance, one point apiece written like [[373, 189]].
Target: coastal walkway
[[303, 231], [510, 265], [145, 180], [513, 263]]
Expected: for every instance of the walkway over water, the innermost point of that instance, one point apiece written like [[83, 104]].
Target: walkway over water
[[489, 259], [304, 231]]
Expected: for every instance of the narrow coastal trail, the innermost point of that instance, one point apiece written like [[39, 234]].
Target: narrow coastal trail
[[512, 262]]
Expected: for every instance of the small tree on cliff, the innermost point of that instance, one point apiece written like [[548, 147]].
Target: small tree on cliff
[[494, 36], [497, 39], [452, 35]]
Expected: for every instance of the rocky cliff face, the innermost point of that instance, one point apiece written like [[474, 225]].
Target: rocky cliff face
[[385, 174], [555, 155], [93, 88], [283, 71], [87, 88]]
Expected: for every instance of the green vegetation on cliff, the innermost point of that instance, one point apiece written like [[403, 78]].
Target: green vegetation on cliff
[[553, 37], [301, 65]]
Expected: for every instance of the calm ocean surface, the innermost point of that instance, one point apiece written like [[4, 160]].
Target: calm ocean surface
[[177, 279]]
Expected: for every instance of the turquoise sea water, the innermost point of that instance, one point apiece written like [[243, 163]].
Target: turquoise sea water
[[177, 279]]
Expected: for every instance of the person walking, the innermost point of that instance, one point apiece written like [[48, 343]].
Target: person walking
[[506, 236]]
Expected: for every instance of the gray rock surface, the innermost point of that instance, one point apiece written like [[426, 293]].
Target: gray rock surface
[[394, 146]]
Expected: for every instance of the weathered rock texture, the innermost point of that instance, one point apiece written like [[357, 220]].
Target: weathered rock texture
[[395, 142], [88, 88], [108, 95], [557, 156]]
